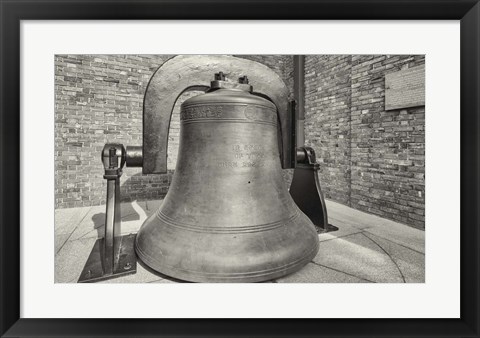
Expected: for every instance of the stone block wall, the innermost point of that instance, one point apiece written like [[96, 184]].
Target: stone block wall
[[99, 99], [371, 159]]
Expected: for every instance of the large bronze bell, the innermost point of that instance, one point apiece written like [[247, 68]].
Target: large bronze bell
[[227, 216]]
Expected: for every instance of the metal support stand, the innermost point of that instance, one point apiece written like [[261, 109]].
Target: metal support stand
[[306, 191], [114, 255]]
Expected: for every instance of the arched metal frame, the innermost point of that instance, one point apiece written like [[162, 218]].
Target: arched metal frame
[[185, 73]]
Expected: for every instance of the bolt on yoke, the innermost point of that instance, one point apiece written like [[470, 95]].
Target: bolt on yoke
[[221, 82]]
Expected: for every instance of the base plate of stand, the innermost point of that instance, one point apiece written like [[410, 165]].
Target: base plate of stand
[[125, 261], [328, 228]]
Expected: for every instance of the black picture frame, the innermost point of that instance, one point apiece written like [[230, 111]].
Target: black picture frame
[[13, 11]]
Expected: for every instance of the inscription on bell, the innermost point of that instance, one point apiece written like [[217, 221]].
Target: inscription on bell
[[244, 164], [246, 156], [198, 112], [237, 113], [248, 152], [246, 147]]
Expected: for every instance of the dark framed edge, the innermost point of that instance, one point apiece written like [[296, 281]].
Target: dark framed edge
[[13, 11]]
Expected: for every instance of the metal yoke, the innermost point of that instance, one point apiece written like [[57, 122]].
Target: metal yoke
[[185, 73]]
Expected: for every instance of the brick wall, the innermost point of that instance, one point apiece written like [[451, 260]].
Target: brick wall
[[371, 159], [99, 99], [327, 120]]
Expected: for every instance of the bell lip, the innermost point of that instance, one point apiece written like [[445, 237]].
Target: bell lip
[[248, 277]]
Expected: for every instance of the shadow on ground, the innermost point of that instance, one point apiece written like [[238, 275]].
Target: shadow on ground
[[127, 193]]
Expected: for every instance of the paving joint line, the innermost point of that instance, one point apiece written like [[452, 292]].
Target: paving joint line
[[393, 261], [402, 245], [346, 273], [70, 235]]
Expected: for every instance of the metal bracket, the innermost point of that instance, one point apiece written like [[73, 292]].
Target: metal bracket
[[306, 191], [114, 255]]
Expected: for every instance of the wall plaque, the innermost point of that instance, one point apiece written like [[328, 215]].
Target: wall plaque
[[405, 88]]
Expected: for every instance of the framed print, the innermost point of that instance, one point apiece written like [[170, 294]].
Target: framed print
[[239, 168]]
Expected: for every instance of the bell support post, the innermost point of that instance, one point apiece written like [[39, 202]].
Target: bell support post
[[113, 255], [306, 191]]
